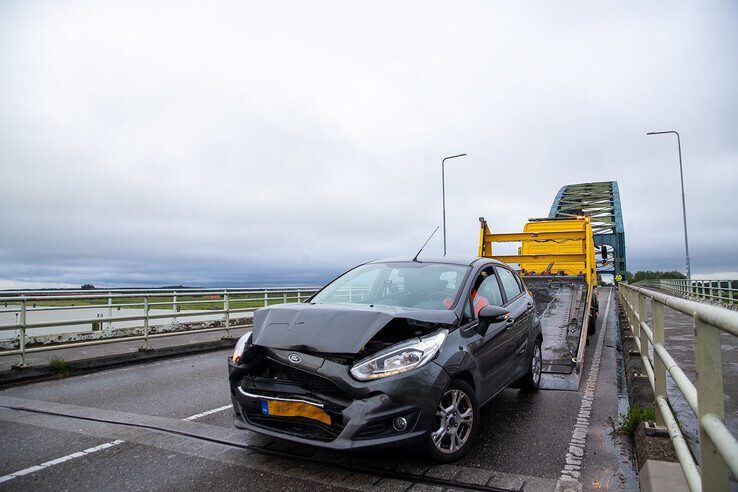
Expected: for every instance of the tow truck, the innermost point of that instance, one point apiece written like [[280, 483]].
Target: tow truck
[[557, 262]]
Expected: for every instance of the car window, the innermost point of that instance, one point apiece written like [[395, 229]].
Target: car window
[[490, 289], [451, 278], [485, 291], [509, 283], [358, 288], [520, 282], [431, 286]]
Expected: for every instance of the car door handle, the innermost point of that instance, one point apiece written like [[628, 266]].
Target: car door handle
[[509, 322], [530, 305]]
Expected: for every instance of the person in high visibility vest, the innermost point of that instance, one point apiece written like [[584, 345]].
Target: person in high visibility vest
[[479, 302]]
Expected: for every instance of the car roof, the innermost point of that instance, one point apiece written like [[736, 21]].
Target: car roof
[[448, 260]]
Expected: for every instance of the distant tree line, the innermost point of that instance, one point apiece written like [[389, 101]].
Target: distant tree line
[[166, 287], [652, 275]]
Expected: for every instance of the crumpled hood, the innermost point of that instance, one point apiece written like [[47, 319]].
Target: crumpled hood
[[331, 328]]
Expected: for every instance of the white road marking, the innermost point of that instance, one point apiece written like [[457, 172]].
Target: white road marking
[[209, 412], [57, 461], [569, 479]]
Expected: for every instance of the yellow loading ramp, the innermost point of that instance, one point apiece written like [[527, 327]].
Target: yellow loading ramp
[[557, 262]]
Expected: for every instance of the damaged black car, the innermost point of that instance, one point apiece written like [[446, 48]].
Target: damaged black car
[[391, 352]]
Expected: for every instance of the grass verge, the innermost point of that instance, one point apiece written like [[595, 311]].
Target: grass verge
[[635, 416], [60, 366]]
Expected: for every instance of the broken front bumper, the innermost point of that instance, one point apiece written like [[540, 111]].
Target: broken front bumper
[[360, 414]]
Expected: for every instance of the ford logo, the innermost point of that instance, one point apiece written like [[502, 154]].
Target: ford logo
[[294, 358]]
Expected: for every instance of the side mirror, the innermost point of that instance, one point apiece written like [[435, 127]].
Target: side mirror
[[489, 315]]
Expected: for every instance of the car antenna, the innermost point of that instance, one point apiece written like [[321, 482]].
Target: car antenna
[[423, 246]]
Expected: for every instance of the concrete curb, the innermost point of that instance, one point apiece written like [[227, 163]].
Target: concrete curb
[[662, 476], [36, 373]]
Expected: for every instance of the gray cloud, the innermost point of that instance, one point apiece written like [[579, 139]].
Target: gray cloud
[[253, 142]]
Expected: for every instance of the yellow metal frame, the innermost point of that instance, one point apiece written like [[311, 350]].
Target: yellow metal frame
[[548, 246]]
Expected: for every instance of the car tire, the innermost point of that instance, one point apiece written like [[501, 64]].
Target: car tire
[[451, 437], [532, 379], [592, 325], [592, 322]]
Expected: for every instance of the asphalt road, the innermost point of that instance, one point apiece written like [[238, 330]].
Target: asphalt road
[[524, 437]]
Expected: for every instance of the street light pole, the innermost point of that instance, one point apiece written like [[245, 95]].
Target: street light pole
[[684, 206], [443, 192]]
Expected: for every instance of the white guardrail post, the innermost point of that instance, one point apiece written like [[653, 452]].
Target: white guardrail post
[[174, 308], [146, 323], [110, 310], [643, 316], [226, 308], [22, 335], [659, 368], [709, 366]]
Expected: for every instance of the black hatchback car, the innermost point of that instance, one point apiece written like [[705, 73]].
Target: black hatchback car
[[391, 352]]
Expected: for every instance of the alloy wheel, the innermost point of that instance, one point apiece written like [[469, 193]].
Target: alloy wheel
[[454, 420], [536, 364]]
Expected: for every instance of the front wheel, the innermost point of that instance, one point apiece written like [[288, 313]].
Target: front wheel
[[456, 423], [532, 378]]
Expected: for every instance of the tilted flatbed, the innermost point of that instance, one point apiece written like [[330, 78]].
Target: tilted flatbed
[[557, 262]]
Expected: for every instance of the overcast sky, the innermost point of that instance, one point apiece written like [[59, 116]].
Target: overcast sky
[[218, 143]]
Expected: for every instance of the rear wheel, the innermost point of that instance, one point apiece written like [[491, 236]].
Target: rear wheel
[[532, 378], [456, 423], [592, 323]]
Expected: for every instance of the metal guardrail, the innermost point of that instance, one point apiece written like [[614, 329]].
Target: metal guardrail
[[23, 303], [724, 291], [718, 447]]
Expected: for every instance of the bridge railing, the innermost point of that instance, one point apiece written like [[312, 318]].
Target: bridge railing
[[718, 447], [193, 304], [724, 291]]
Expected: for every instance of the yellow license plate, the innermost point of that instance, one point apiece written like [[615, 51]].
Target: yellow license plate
[[294, 409]]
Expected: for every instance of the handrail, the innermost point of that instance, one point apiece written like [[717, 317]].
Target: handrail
[[6, 296], [720, 317], [722, 291], [228, 302], [163, 289], [718, 447], [34, 300]]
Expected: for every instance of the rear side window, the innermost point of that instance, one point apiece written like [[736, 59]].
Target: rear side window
[[509, 283]]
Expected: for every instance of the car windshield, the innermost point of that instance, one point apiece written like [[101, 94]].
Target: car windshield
[[431, 286]]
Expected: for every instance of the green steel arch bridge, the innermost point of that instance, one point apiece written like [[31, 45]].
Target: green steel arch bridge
[[601, 202]]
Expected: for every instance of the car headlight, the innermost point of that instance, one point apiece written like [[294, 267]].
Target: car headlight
[[399, 358], [240, 347]]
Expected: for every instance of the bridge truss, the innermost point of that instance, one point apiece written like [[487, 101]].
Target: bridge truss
[[601, 202]]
